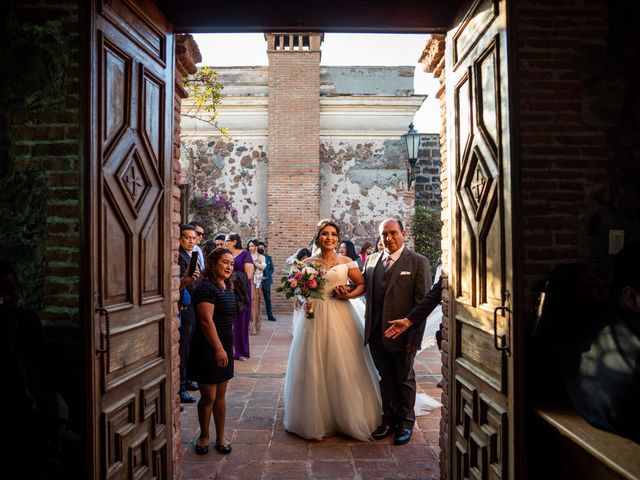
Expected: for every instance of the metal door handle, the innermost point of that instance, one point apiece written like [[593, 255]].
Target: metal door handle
[[105, 312], [505, 346]]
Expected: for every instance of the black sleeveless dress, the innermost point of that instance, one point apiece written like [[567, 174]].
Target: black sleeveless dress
[[202, 366]]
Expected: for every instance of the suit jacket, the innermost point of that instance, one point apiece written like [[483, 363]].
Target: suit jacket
[[267, 278], [184, 259], [424, 307], [409, 281]]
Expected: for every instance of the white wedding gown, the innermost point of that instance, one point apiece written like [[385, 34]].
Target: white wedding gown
[[331, 384]]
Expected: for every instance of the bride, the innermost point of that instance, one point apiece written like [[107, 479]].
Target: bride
[[331, 384]]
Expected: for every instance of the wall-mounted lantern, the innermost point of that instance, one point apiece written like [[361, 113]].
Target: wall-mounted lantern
[[412, 141]]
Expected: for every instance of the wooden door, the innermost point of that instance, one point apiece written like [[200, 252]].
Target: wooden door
[[131, 105], [482, 390]]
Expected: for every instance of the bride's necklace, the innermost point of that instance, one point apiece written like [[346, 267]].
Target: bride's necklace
[[331, 263]]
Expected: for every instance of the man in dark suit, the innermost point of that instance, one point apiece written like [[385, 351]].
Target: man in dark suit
[[396, 279], [188, 240], [267, 280]]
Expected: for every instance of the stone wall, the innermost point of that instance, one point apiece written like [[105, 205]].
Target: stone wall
[[235, 168]]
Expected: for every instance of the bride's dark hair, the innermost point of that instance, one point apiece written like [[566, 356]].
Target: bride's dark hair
[[322, 224]]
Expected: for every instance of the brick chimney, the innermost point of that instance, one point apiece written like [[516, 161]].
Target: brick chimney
[[293, 146]]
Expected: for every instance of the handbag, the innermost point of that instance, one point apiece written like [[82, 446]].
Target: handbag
[[239, 282]]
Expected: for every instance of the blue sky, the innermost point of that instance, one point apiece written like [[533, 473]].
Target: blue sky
[[233, 49]]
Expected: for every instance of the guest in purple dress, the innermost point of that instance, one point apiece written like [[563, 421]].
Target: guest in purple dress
[[242, 262]]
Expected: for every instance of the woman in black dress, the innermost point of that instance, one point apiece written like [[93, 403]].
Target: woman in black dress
[[212, 346]]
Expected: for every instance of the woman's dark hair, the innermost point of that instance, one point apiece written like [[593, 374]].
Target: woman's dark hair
[[210, 263], [351, 249], [364, 247], [378, 240], [322, 224], [302, 253], [233, 236], [254, 241], [208, 247]]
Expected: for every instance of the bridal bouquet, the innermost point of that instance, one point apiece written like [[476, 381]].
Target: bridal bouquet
[[303, 279]]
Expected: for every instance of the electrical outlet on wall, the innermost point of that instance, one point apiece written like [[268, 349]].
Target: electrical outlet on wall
[[616, 241]]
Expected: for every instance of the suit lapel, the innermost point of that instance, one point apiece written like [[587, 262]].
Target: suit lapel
[[397, 268]]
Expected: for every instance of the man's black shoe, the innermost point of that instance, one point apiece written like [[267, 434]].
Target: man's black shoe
[[272, 319], [402, 436], [191, 385], [185, 397], [383, 431]]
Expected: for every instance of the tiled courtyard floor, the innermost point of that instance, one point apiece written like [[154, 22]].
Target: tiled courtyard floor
[[262, 449]]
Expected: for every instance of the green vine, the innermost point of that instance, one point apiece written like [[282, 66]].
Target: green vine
[[206, 93]]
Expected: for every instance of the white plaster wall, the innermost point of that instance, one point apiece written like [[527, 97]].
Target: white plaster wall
[[363, 181]]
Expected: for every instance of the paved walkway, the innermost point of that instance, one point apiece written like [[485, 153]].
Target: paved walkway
[[262, 449]]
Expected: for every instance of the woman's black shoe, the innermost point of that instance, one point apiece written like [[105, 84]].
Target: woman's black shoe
[[202, 449], [223, 448]]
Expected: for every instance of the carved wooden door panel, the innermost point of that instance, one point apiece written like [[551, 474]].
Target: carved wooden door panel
[[482, 395], [131, 147]]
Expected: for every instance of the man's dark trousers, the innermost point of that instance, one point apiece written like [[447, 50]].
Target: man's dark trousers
[[267, 280]]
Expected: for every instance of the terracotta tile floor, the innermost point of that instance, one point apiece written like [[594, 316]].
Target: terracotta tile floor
[[262, 449]]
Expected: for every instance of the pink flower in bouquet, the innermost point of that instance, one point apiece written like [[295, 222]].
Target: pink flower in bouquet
[[305, 280]]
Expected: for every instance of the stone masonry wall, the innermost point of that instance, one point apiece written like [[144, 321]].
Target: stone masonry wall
[[427, 172], [236, 168]]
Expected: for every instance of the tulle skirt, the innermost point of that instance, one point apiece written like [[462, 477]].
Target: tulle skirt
[[331, 384]]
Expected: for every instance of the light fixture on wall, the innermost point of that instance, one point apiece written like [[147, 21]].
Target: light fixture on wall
[[412, 141]]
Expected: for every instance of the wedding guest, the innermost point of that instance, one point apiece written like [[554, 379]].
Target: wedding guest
[[300, 255], [267, 280], [244, 268], [606, 389], [348, 249], [188, 240], [212, 346], [379, 244], [219, 239], [260, 264], [200, 232], [365, 251], [208, 247]]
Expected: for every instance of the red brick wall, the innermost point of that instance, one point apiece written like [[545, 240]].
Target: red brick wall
[[45, 142], [294, 154], [562, 151]]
